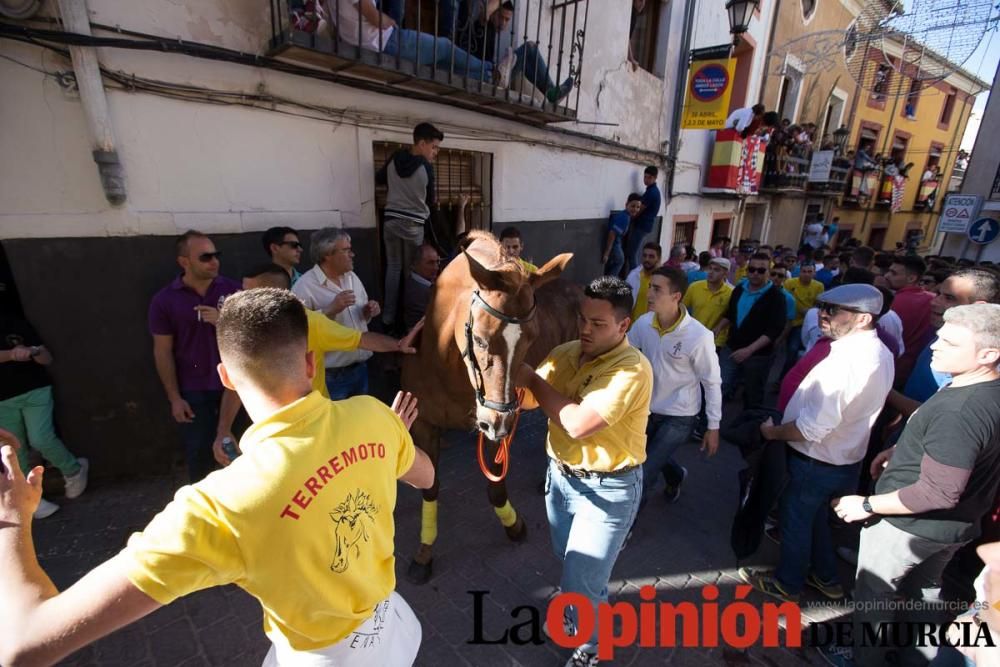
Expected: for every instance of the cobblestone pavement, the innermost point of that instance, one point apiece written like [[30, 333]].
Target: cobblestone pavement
[[678, 548]]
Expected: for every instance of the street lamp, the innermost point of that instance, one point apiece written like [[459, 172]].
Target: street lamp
[[840, 136], [740, 12]]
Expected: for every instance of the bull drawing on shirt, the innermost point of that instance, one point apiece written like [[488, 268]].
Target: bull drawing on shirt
[[354, 519]]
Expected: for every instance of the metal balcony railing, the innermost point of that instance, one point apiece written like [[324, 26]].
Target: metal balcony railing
[[454, 64]]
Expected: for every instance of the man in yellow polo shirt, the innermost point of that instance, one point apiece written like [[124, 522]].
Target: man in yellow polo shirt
[[638, 278], [325, 335], [805, 290], [707, 300], [595, 392], [302, 520]]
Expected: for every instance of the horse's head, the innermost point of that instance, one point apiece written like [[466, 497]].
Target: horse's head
[[351, 518], [496, 333]]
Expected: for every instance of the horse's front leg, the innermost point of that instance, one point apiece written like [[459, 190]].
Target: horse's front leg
[[513, 524], [428, 438]]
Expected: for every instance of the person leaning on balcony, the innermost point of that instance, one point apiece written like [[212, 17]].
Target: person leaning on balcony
[[379, 32], [746, 120], [409, 176], [482, 34]]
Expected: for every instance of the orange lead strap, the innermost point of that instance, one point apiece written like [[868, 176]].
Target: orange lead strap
[[503, 452]]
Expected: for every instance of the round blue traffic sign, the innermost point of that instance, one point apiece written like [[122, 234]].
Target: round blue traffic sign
[[709, 82], [984, 230]]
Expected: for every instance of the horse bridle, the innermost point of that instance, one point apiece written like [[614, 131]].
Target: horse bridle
[[470, 358]]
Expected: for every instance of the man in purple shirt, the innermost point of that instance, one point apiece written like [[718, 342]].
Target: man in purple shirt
[[182, 319]]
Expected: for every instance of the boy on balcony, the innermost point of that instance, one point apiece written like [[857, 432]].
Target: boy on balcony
[[379, 32], [481, 35]]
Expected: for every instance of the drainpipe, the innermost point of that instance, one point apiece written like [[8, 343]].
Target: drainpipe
[[683, 62], [76, 19]]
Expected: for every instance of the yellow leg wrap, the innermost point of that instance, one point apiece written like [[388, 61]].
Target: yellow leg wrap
[[429, 522], [507, 514]]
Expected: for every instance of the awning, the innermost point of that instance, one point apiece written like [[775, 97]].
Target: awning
[[868, 134]]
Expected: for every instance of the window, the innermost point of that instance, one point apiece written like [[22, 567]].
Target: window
[[948, 108], [457, 173], [880, 82], [643, 29], [684, 227], [912, 97], [720, 228], [876, 238], [808, 7]]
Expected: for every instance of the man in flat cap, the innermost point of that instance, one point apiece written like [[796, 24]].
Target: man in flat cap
[[826, 424]]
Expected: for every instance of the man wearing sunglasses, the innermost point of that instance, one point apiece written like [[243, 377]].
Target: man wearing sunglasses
[[282, 245], [182, 319], [756, 318], [826, 424]]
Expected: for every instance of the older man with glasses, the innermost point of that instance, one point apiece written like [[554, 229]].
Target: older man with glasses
[[182, 319], [826, 424], [333, 288]]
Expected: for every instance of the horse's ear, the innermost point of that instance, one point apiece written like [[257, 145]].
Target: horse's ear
[[551, 270], [488, 279]]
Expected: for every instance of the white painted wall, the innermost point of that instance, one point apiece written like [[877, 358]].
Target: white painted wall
[[233, 169]]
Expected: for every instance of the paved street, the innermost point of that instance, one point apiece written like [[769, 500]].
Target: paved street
[[679, 548]]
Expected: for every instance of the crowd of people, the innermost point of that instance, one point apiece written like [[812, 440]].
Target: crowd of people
[[873, 375]]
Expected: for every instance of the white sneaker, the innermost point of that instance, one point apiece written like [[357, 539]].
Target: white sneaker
[[501, 73], [45, 509], [76, 484], [581, 658]]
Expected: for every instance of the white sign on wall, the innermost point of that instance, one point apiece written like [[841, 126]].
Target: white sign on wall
[[957, 212], [819, 168]]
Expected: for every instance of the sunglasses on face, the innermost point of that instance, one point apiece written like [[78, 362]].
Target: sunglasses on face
[[294, 245], [207, 257], [758, 269], [832, 309]]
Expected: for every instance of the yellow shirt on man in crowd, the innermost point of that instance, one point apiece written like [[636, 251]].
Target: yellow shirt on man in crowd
[[709, 307], [312, 495], [618, 386], [805, 297]]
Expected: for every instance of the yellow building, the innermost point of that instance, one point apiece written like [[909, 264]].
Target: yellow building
[[900, 119]]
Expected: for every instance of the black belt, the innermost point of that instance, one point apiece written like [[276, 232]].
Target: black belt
[[338, 370], [580, 473], [808, 459]]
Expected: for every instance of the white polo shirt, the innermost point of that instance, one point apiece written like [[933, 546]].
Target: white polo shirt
[[317, 292], [684, 361], [837, 403]]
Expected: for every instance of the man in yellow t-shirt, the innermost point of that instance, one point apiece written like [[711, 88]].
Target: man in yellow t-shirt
[[513, 246], [595, 392], [325, 335], [302, 520], [638, 278], [707, 300], [805, 290]]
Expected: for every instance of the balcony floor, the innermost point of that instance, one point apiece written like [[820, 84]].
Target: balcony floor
[[405, 78]]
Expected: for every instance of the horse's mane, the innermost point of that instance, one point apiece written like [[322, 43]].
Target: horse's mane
[[487, 250]]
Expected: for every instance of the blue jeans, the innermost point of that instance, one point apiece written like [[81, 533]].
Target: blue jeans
[[347, 381], [806, 543], [633, 246], [198, 435], [616, 259], [588, 521], [664, 435], [532, 64], [404, 43], [753, 372]]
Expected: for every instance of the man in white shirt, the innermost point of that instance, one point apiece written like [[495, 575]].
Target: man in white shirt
[[827, 424], [742, 119], [681, 351], [333, 288]]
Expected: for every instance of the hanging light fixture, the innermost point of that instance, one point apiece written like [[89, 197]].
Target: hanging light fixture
[[740, 12]]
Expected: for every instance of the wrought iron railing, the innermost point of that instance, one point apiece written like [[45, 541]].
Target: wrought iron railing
[[455, 60]]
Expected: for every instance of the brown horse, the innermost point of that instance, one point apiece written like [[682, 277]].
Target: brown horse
[[486, 315]]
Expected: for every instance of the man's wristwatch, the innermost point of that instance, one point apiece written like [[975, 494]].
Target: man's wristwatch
[[867, 506]]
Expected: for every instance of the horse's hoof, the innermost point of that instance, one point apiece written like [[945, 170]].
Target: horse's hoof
[[420, 573], [518, 532]]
